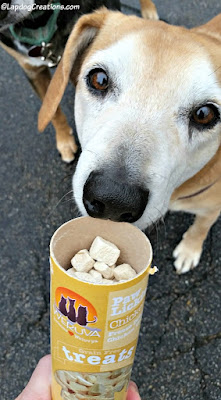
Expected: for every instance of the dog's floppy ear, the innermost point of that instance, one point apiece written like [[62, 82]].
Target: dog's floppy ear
[[80, 38]]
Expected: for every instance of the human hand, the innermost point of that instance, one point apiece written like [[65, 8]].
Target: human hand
[[132, 393], [39, 386]]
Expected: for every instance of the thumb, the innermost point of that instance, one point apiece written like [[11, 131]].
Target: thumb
[[132, 393], [39, 386]]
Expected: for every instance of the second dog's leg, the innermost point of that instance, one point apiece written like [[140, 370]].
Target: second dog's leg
[[148, 10], [188, 251], [40, 78]]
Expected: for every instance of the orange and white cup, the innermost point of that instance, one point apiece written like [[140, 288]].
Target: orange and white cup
[[95, 327]]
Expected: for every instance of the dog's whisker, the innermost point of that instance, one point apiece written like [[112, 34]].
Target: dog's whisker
[[70, 191], [161, 217], [68, 201], [152, 224], [215, 70], [155, 224], [93, 152], [152, 174], [60, 200]]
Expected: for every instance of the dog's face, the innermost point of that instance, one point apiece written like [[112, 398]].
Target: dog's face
[[14, 11], [147, 110]]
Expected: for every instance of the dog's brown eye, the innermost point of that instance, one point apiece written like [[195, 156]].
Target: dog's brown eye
[[98, 80], [205, 115]]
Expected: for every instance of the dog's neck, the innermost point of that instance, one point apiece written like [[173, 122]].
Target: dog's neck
[[205, 179]]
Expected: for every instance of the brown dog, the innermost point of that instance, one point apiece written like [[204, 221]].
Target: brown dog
[[148, 116]]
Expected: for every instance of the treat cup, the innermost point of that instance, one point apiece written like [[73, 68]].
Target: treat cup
[[95, 327]]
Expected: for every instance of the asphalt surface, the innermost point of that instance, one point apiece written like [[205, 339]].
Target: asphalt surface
[[179, 351]]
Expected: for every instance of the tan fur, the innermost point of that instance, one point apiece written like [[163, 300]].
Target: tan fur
[[148, 10], [99, 26], [207, 204], [84, 31], [102, 22], [88, 26]]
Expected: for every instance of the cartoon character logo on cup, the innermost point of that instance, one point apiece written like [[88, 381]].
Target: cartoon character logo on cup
[[76, 308]]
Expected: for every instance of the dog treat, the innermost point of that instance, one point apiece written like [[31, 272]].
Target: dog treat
[[82, 261], [71, 271], [107, 281], [104, 251], [85, 276], [99, 386], [124, 272], [103, 271], [103, 268], [96, 275]]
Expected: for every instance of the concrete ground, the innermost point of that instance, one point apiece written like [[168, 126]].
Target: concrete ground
[[179, 351]]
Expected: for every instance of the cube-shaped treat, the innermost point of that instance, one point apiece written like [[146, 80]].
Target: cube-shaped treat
[[96, 275], [85, 276], [82, 262], [71, 271], [107, 281], [103, 268], [102, 250], [124, 272]]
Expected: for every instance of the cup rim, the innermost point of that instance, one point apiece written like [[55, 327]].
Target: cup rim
[[116, 284]]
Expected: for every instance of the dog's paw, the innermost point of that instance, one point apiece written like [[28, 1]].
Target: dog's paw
[[67, 148], [187, 255], [150, 13]]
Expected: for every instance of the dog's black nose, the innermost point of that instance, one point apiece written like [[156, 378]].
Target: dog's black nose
[[107, 198]]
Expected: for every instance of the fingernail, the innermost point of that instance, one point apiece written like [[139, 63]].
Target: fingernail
[[133, 387]]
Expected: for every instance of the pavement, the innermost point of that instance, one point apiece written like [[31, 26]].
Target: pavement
[[179, 350]]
